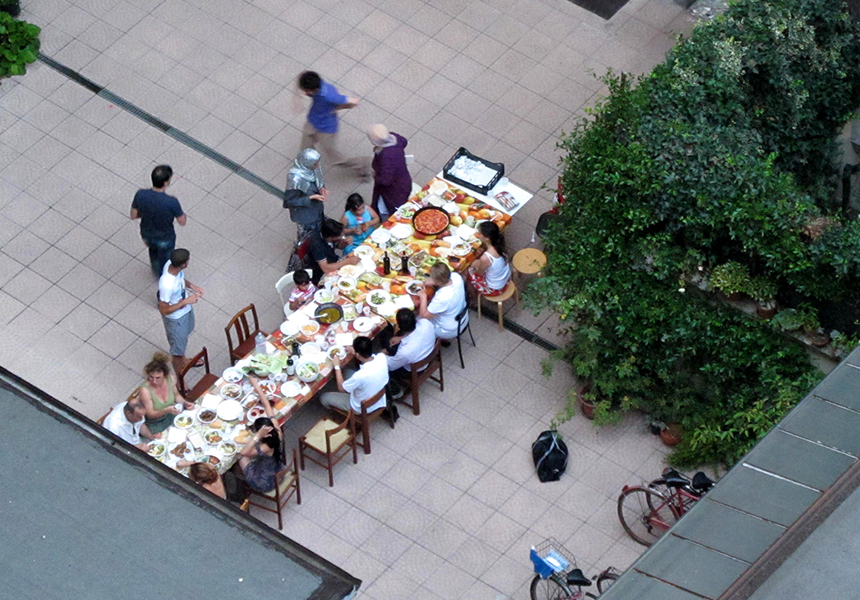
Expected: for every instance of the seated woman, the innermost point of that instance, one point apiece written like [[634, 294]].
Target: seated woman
[[205, 475], [261, 457], [358, 221], [489, 274], [160, 395]]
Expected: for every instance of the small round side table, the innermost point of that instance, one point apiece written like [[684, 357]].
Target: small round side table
[[529, 261]]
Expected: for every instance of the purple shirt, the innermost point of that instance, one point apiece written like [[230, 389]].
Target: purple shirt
[[322, 113]]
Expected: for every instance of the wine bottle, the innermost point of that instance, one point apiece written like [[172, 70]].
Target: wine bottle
[[386, 264]]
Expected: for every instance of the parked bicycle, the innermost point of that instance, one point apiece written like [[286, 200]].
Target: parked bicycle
[[647, 512], [557, 578]]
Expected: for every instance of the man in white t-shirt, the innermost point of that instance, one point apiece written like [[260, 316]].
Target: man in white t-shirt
[[357, 386], [414, 339], [126, 421], [448, 301], [174, 303]]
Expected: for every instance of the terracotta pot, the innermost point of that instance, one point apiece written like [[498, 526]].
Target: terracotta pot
[[819, 339], [766, 313], [585, 406], [672, 434]]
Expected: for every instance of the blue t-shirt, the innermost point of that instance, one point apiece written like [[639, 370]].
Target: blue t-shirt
[[322, 113], [157, 211]]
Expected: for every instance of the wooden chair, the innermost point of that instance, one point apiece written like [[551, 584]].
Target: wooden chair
[[287, 484], [208, 379], [430, 365], [364, 419], [510, 290], [246, 506], [331, 441], [460, 329], [285, 285], [244, 334]]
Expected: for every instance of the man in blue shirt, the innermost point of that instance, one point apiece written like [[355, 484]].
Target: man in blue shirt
[[320, 130], [156, 211]]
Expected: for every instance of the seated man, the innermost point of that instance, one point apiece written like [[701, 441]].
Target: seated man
[[126, 421], [447, 303], [357, 386], [322, 244], [413, 341]]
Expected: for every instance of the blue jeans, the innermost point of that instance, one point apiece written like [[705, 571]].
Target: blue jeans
[[160, 249]]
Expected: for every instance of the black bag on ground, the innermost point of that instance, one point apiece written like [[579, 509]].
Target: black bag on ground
[[550, 455]]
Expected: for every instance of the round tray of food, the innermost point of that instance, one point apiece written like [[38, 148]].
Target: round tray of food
[[430, 220]]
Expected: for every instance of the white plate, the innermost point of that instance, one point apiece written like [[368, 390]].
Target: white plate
[[310, 349], [310, 328], [305, 364], [413, 288], [407, 211], [363, 251], [347, 283], [231, 391], [228, 448], [214, 437], [461, 250], [230, 410], [189, 451], [401, 231], [250, 399], [291, 389], [156, 448], [351, 270], [363, 324], [187, 420], [380, 236], [233, 375], [340, 351], [322, 296], [289, 329], [377, 304], [438, 187]]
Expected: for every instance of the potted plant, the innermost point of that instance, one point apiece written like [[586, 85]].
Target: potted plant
[[585, 400], [789, 319], [763, 291], [812, 329], [843, 344], [19, 45], [672, 434], [732, 279], [13, 7]]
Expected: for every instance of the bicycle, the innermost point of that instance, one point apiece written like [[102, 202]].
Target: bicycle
[[557, 578], [646, 513]]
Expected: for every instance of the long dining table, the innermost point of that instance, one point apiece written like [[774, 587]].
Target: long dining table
[[217, 428]]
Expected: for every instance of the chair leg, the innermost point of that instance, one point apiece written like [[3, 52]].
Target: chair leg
[[469, 327], [301, 455], [479, 306], [441, 376], [280, 517], [330, 469], [416, 407], [460, 350], [365, 434], [501, 309]]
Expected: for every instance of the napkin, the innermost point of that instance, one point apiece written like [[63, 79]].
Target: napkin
[[211, 401], [343, 339], [306, 390], [176, 435], [404, 302], [451, 208], [367, 263], [196, 439], [270, 348]]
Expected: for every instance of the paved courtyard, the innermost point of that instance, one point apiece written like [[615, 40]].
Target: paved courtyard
[[447, 505]]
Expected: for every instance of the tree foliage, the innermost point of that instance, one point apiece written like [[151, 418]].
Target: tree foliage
[[723, 153]]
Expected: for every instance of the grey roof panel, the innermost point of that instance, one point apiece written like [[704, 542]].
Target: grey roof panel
[[728, 530], [841, 386], [763, 495], [799, 460], [691, 567], [825, 423], [641, 587]]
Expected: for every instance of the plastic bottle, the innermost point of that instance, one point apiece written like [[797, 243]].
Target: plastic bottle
[[260, 343]]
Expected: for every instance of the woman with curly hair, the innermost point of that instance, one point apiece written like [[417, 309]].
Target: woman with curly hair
[[160, 394]]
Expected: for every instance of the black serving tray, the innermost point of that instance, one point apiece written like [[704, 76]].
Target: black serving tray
[[499, 168]]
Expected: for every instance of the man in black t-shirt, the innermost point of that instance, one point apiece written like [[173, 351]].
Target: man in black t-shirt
[[156, 211], [322, 243]]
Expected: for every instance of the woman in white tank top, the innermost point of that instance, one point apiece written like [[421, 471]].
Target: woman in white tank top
[[489, 274]]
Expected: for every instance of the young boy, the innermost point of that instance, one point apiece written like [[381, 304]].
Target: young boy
[[303, 291]]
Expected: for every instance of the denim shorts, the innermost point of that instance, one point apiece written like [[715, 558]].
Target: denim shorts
[[178, 331]]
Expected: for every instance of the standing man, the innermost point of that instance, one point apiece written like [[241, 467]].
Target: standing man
[[174, 304], [156, 211], [321, 127]]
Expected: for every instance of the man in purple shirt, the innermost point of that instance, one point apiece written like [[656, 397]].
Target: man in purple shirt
[[320, 130], [156, 211]]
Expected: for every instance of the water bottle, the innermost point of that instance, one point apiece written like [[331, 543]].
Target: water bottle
[[260, 343]]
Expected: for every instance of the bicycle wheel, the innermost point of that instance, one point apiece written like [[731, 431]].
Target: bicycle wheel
[[605, 581], [645, 514], [547, 589]]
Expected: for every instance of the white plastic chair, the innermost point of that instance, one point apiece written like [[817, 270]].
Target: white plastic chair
[[284, 287]]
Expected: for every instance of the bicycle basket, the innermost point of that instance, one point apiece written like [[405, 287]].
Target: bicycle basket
[[551, 557]]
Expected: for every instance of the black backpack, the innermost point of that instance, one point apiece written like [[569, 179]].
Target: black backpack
[[550, 455]]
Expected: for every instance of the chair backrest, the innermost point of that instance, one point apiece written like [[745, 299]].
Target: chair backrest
[[242, 326], [285, 285], [423, 368], [462, 319], [366, 404], [180, 376]]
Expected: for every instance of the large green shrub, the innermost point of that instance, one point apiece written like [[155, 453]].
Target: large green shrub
[[19, 45], [720, 155]]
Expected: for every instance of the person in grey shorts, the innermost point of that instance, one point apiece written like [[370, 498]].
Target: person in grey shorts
[[174, 303]]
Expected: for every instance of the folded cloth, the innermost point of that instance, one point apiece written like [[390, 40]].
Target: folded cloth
[[196, 439], [176, 435], [343, 339], [211, 401]]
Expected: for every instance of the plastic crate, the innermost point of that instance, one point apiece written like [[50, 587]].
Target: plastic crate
[[499, 168]]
